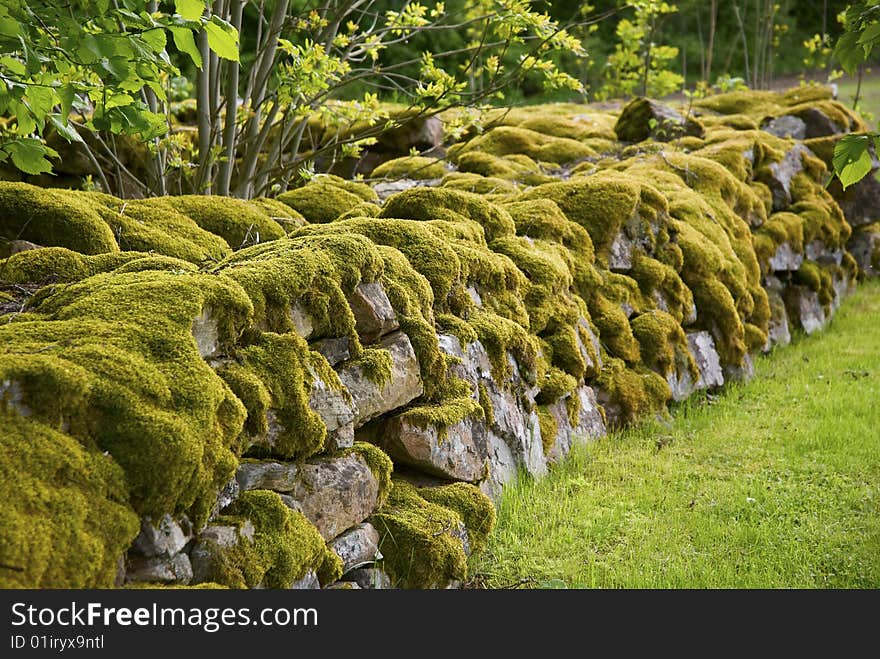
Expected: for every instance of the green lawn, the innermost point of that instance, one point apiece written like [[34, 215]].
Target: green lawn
[[869, 95], [775, 483]]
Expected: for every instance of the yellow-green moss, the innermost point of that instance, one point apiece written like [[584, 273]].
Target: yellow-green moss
[[635, 124], [615, 332], [279, 212], [474, 508], [549, 428], [285, 545], [637, 392], [52, 218], [506, 140], [513, 167], [325, 198], [663, 344], [485, 185], [376, 364], [380, 466], [65, 513], [413, 167], [555, 384]]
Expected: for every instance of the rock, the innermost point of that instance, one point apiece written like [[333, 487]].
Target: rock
[[159, 569], [165, 539], [787, 126], [335, 406], [11, 247], [370, 578], [702, 348], [620, 256], [785, 258], [309, 581], [860, 201], [335, 493], [518, 426], [584, 331], [373, 314], [370, 399], [457, 451], [385, 189], [643, 118], [357, 547], [865, 248], [778, 332], [303, 323], [475, 296], [419, 133], [266, 475], [503, 467], [819, 252], [804, 308], [778, 176], [333, 350], [12, 396], [742, 373], [818, 124], [212, 543], [205, 332]]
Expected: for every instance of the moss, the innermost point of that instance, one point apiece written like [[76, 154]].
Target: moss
[[413, 167], [654, 276], [663, 344], [236, 221], [285, 544], [380, 465], [822, 218], [443, 415], [52, 218], [635, 123], [474, 508], [549, 428], [486, 404], [452, 205], [113, 360], [555, 384], [615, 332], [65, 518], [149, 226], [501, 336], [637, 393], [514, 167], [58, 264], [420, 540], [818, 279], [376, 364], [484, 185], [279, 212], [325, 198], [780, 228], [506, 140], [363, 209], [331, 568], [461, 329]]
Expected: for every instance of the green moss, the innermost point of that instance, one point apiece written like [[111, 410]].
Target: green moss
[[376, 365], [452, 205], [461, 329], [491, 187], [506, 140], [58, 264], [236, 221], [486, 404], [325, 198], [818, 279], [331, 568], [363, 209], [549, 428], [635, 124], [413, 167], [514, 167], [780, 228], [65, 517], [52, 218], [112, 359], [654, 276], [474, 508], [279, 212], [615, 332], [443, 415], [663, 344], [285, 545], [380, 465], [501, 336], [637, 393], [555, 384], [420, 540]]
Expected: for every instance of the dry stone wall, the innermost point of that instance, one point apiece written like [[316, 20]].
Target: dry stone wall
[[329, 389]]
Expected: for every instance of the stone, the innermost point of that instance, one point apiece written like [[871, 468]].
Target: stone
[[621, 253], [159, 569], [457, 452], [303, 323], [335, 406], [787, 126], [11, 247], [503, 467], [859, 202], [584, 330], [420, 133], [475, 296], [785, 258], [818, 124], [742, 373], [804, 308], [266, 475], [342, 585], [373, 314], [778, 331], [865, 248], [357, 547], [370, 578], [643, 118], [778, 176], [214, 541], [518, 425], [309, 581], [334, 350], [166, 538], [335, 493], [205, 332], [370, 399], [819, 252], [702, 348], [385, 189], [12, 396]]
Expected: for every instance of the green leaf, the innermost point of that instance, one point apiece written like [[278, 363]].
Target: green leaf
[[851, 160], [190, 10], [186, 43], [66, 94], [222, 39], [849, 52], [64, 129], [155, 39], [871, 35], [29, 156], [14, 65]]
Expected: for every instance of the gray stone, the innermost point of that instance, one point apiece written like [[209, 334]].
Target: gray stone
[[787, 126], [804, 308], [266, 475], [334, 350], [342, 585], [419, 133], [205, 332], [227, 495], [385, 189], [370, 399], [303, 323], [859, 202], [818, 124], [702, 348], [644, 118], [503, 467], [339, 439], [370, 578], [819, 252], [475, 296], [335, 493], [620, 256], [583, 335], [309, 581], [213, 543], [785, 258], [166, 538], [159, 569], [12, 396], [779, 175], [778, 331], [373, 314], [357, 547], [457, 452], [742, 373], [335, 406], [865, 248], [11, 247]]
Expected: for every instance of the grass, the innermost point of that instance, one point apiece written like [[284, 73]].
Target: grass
[[869, 94], [771, 484]]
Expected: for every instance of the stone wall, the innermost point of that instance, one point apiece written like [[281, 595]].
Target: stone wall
[[328, 389]]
